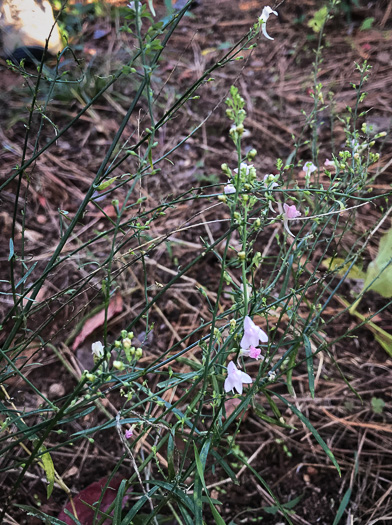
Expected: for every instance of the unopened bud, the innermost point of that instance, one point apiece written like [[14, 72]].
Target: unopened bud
[[138, 353], [241, 256], [127, 343], [118, 365]]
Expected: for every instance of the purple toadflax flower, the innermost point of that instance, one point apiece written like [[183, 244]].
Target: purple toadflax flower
[[253, 352], [290, 213], [128, 433], [229, 188], [235, 378], [253, 335]]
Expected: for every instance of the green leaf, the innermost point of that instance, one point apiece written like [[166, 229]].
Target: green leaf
[[367, 24], [309, 363], [49, 471], [11, 250], [138, 505], [342, 507], [200, 466], [379, 272], [105, 184], [378, 405], [340, 267], [119, 502], [170, 457], [31, 511], [309, 425], [316, 23]]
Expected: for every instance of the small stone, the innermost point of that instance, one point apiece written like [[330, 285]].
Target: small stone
[[56, 390]]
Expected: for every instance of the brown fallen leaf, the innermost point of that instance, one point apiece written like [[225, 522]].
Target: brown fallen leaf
[[115, 307]]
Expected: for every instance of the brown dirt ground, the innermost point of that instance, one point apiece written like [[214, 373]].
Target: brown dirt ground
[[275, 79]]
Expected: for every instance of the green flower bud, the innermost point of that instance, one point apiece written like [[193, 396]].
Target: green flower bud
[[241, 256], [119, 365], [252, 154], [138, 353]]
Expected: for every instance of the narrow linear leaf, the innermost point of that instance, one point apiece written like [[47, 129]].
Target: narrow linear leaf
[[118, 506], [31, 511], [342, 507], [23, 279], [309, 363], [135, 509], [11, 250], [308, 424]]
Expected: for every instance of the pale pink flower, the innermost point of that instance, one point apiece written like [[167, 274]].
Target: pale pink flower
[[252, 334], [329, 163], [265, 14], [290, 212], [309, 168], [97, 349], [229, 188], [128, 433], [235, 378], [252, 352]]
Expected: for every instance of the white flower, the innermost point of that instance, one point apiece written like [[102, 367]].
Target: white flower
[[263, 20], [252, 334], [229, 188], [235, 378], [98, 349], [309, 168], [131, 5], [270, 181], [329, 163], [244, 166], [271, 376]]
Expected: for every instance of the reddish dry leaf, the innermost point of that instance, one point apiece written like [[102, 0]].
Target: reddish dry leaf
[[91, 495], [115, 307]]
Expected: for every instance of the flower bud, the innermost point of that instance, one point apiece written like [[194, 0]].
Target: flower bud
[[138, 353], [252, 154], [127, 343], [241, 256], [222, 198], [118, 365]]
